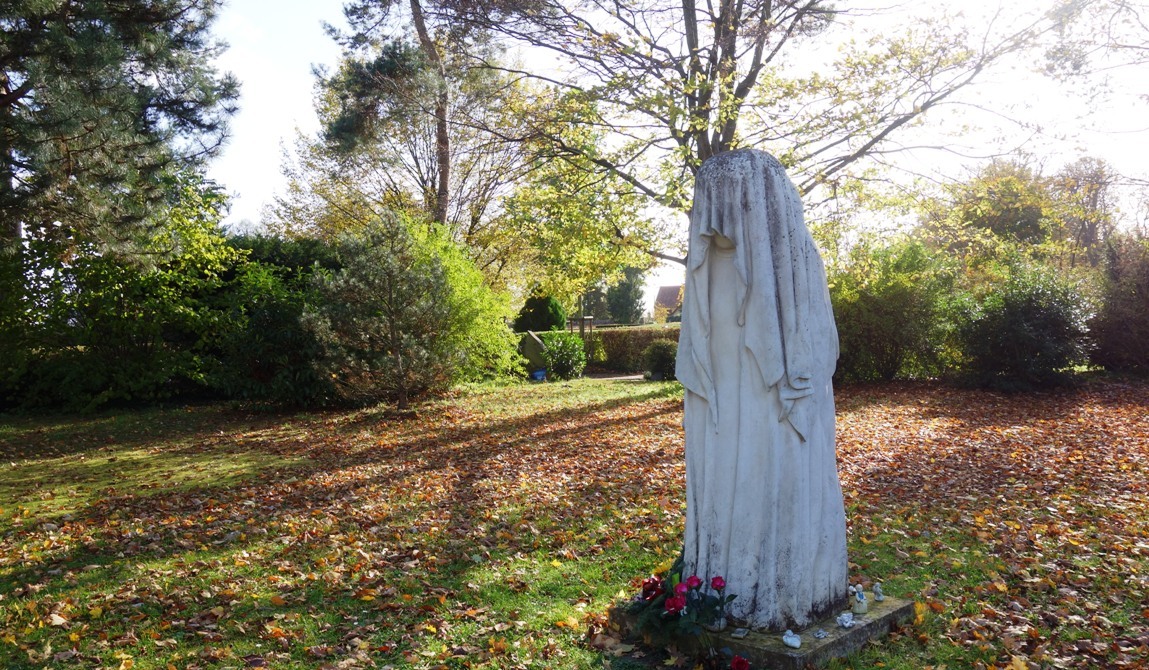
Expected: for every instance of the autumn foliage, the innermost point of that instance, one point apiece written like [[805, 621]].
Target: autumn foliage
[[492, 529]]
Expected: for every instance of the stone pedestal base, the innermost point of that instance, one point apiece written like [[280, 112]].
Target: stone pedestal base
[[765, 650]]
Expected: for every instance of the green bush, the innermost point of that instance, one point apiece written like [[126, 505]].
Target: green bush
[[659, 358], [623, 347], [98, 328], [14, 327], [1121, 327], [540, 314], [1026, 333], [406, 314], [890, 309], [565, 354], [292, 257], [269, 356], [116, 333], [477, 334]]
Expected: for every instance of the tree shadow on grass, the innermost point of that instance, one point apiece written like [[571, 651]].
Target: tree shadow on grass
[[40, 437], [452, 486], [374, 504]]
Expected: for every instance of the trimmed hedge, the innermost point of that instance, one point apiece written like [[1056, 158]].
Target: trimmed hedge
[[623, 347]]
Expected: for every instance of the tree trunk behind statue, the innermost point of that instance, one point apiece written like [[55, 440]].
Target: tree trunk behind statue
[[756, 354]]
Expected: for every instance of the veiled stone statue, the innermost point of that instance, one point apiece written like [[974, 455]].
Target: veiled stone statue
[[756, 353]]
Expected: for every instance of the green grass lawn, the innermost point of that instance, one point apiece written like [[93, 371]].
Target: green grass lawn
[[496, 526]]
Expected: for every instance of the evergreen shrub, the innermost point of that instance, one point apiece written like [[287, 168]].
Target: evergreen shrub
[[1026, 333], [405, 315], [565, 354], [540, 314], [1121, 327], [14, 328], [659, 359]]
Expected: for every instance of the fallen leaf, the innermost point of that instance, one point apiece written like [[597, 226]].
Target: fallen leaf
[[920, 610]]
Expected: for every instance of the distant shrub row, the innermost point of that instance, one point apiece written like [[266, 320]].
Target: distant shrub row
[[621, 349], [385, 314], [904, 311]]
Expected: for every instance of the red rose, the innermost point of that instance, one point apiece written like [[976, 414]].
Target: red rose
[[718, 583], [693, 581], [652, 587], [739, 663], [681, 588], [675, 604]]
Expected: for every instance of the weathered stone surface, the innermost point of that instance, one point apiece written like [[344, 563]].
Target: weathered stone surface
[[766, 650], [756, 354]]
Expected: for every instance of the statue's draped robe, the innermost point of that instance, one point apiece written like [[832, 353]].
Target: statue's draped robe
[[756, 354]]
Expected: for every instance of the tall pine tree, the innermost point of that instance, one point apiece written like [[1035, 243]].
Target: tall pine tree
[[624, 299], [98, 100]]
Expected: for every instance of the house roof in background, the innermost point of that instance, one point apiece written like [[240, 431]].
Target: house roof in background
[[668, 297]]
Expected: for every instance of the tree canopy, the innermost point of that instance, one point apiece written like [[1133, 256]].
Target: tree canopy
[[98, 100], [679, 82]]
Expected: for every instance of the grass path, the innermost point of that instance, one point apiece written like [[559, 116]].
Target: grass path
[[496, 526]]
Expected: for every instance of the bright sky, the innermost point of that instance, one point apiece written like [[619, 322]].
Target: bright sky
[[275, 44]]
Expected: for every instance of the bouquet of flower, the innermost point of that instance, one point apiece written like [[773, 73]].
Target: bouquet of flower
[[672, 605]]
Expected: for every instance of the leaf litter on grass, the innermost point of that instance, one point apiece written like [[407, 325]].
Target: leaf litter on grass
[[1019, 519], [489, 529]]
